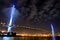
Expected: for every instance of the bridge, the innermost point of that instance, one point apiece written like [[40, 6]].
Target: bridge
[[27, 30], [3, 25]]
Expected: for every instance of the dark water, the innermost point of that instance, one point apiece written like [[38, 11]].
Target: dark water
[[35, 38], [32, 38]]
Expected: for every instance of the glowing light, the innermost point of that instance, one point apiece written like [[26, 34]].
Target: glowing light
[[11, 19], [3, 31], [10, 24], [12, 14], [1, 23], [40, 35], [9, 29], [6, 38], [53, 36]]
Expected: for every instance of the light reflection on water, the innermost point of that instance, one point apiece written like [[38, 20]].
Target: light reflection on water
[[32, 38]]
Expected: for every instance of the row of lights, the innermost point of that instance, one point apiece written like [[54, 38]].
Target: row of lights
[[4, 24], [41, 35]]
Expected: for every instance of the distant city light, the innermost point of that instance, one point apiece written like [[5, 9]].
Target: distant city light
[[3, 31]]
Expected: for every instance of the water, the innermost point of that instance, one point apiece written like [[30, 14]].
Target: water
[[33, 38], [6, 38]]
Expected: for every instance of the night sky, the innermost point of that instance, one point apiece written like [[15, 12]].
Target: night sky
[[40, 13]]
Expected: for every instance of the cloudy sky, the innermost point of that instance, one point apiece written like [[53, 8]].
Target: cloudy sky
[[33, 12]]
